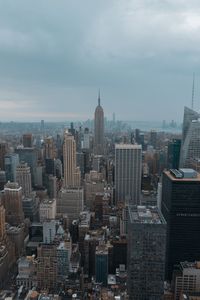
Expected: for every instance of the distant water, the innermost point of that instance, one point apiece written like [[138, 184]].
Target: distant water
[[154, 125]]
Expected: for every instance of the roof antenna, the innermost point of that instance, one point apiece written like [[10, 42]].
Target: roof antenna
[[99, 98], [193, 90]]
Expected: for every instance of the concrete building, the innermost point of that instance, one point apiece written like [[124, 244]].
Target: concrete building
[[146, 253], [128, 172], [47, 210], [99, 129], [181, 209], [70, 203], [93, 184], [49, 148], [27, 272], [46, 266], [72, 174], [12, 199], [16, 234], [186, 278], [23, 177]]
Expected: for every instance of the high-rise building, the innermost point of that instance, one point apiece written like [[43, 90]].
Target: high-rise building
[[146, 253], [3, 152], [49, 231], [190, 137], [27, 140], [189, 116], [49, 148], [46, 266], [153, 138], [186, 278], [70, 202], [190, 148], [128, 168], [11, 163], [12, 198], [30, 156], [2, 223], [99, 129], [23, 177], [101, 264], [2, 179], [71, 171], [63, 256], [47, 209], [86, 139], [173, 154], [30, 207], [181, 209]]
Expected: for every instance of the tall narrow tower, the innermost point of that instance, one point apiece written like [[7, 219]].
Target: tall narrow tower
[[99, 129], [71, 171]]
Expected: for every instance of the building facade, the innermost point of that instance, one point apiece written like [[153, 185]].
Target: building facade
[[128, 172], [146, 253], [180, 207]]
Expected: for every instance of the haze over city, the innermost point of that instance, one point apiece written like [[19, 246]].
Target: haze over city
[[54, 56]]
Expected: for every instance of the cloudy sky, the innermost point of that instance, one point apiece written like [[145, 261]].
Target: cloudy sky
[[55, 55]]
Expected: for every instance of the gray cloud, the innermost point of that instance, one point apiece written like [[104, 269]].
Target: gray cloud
[[54, 55]]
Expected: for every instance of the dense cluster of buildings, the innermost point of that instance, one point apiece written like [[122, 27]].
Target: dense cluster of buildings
[[95, 214]]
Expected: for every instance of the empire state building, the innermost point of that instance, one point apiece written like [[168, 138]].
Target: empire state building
[[99, 129]]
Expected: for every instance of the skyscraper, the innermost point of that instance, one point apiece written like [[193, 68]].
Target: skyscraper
[[99, 129], [12, 198], [3, 151], [173, 154], [23, 177], [11, 163], [71, 171], [49, 148], [181, 209], [190, 148], [189, 116], [27, 140], [128, 168], [190, 145], [146, 253]]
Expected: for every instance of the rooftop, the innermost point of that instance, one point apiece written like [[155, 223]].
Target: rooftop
[[127, 146], [183, 175], [190, 265], [145, 215]]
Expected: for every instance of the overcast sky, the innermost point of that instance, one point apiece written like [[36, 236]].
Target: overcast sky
[[56, 54]]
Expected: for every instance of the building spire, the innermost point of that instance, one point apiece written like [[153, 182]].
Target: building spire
[[193, 87], [99, 98]]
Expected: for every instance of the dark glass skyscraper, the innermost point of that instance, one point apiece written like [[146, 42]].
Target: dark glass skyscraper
[[181, 209], [173, 155]]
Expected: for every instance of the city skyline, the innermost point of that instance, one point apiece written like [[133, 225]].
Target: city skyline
[[55, 57]]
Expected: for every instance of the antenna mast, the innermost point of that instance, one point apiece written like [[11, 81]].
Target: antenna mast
[[193, 90]]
